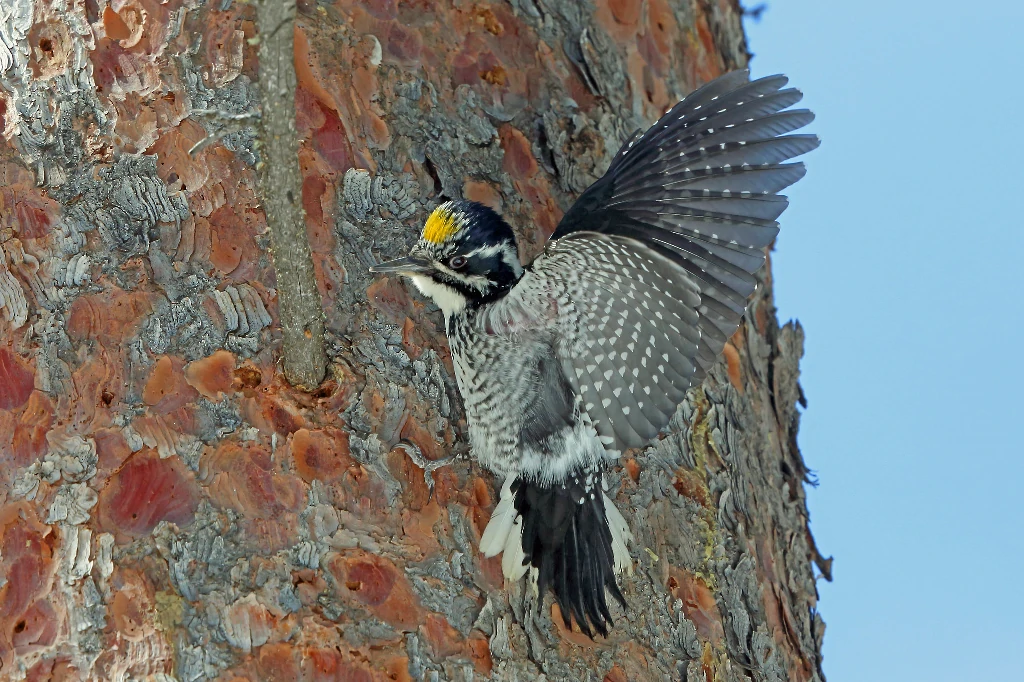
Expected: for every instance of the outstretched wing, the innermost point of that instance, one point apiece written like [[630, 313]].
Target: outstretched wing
[[649, 272]]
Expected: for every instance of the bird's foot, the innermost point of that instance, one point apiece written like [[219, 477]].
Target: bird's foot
[[429, 466]]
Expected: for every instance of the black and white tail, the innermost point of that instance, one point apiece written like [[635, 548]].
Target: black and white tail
[[570, 538]]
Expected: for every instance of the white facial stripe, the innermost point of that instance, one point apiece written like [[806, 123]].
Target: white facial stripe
[[447, 299]]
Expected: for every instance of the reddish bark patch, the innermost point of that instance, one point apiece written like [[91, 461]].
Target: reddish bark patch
[[330, 280], [230, 240], [324, 665], [732, 359], [284, 418], [480, 504], [33, 222], [626, 12], [519, 161], [163, 429], [107, 60], [573, 635], [278, 661], [479, 650], [698, 603], [403, 44], [370, 579], [389, 296], [699, 55], [445, 484], [16, 381], [313, 187], [480, 493], [616, 674], [445, 640], [331, 141], [129, 615], [166, 390], [414, 339], [29, 441], [114, 25], [467, 66], [212, 376], [689, 484], [26, 209], [395, 668], [377, 584], [416, 491], [322, 455], [108, 317], [35, 629], [309, 115], [382, 9], [111, 448], [633, 469], [27, 550], [659, 36], [546, 213], [246, 480], [418, 527], [268, 406], [146, 491], [482, 193], [174, 164], [52, 670]]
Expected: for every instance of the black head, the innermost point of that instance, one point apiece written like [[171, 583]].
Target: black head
[[466, 255]]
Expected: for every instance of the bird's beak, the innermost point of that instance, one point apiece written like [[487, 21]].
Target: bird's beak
[[409, 265]]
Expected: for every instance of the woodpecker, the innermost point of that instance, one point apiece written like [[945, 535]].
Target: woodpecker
[[566, 362]]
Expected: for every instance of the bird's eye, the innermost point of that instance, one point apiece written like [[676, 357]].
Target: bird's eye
[[457, 262]]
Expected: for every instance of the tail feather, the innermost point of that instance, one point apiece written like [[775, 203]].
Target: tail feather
[[619, 530], [513, 563], [495, 535], [572, 537]]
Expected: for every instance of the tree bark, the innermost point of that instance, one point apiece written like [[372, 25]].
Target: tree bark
[[174, 508]]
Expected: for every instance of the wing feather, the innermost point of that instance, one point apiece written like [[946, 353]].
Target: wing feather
[[649, 272]]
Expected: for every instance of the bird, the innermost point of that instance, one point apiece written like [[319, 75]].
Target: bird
[[566, 362]]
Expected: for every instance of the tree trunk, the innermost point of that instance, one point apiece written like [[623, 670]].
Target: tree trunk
[[172, 507]]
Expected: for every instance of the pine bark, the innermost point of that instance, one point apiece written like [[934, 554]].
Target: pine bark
[[173, 508]]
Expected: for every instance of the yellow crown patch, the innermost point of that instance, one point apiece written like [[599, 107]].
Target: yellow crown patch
[[441, 224]]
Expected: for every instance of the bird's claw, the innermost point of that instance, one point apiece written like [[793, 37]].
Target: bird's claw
[[429, 466]]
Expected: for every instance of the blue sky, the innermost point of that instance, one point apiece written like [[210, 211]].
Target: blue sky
[[901, 254]]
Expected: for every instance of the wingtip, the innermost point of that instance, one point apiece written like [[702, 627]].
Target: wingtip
[[780, 78]]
